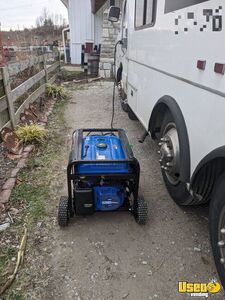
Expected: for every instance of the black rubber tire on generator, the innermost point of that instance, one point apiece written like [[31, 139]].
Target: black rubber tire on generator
[[131, 114], [216, 222], [63, 212], [178, 191], [141, 211]]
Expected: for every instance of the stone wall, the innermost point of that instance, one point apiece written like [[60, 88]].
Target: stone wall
[[109, 39]]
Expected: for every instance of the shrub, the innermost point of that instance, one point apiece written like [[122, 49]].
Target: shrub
[[55, 91], [31, 133]]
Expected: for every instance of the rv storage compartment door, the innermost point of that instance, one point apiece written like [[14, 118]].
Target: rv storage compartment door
[[132, 97]]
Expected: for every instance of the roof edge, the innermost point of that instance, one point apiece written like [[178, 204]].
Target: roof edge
[[65, 2], [97, 4]]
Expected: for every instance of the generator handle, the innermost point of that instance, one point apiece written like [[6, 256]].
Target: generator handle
[[78, 135]]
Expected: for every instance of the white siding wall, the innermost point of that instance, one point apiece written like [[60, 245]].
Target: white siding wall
[[98, 26], [84, 26], [81, 22]]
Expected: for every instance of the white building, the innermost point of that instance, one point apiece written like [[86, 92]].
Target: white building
[[86, 21]]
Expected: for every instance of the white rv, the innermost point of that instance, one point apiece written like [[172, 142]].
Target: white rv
[[172, 65]]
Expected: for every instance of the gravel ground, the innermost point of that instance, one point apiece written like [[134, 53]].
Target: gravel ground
[[108, 256]]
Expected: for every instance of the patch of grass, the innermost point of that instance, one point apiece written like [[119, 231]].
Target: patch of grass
[[56, 91], [36, 177], [6, 254], [34, 194], [15, 295], [59, 111], [68, 75], [31, 133]]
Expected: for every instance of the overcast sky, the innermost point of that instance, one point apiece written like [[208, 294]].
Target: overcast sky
[[25, 12]]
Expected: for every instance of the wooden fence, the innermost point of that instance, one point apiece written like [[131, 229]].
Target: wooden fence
[[48, 65]]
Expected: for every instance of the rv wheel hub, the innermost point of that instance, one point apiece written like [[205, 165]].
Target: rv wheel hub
[[170, 153]]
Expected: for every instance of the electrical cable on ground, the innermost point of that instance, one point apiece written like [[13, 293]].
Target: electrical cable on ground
[[114, 87]]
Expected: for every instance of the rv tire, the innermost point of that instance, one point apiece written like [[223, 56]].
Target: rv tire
[[131, 114], [119, 74], [176, 188], [124, 106], [217, 226]]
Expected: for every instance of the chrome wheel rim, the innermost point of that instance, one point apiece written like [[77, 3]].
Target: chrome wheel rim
[[169, 151], [221, 236]]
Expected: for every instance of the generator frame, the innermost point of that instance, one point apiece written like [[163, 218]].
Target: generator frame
[[76, 158]]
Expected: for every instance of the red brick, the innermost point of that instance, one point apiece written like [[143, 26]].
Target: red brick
[[9, 184], [22, 163], [4, 196], [14, 172]]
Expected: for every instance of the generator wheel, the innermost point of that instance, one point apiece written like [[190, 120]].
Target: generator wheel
[[63, 212], [141, 211]]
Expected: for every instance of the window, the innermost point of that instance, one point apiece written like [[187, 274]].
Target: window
[[112, 2], [144, 14], [150, 12], [139, 13], [125, 26]]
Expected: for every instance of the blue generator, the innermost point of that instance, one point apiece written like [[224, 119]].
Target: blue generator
[[102, 175]]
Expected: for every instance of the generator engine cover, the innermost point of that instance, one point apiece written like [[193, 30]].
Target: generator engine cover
[[102, 148], [108, 198]]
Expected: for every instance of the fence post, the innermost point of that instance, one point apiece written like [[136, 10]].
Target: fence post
[[59, 60], [45, 68], [8, 92]]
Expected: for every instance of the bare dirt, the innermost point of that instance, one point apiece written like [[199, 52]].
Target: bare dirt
[[109, 256]]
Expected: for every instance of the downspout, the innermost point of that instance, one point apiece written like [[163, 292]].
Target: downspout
[[64, 43]]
